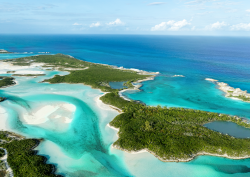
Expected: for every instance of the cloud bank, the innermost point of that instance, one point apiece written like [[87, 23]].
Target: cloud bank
[[241, 27], [116, 22], [170, 25], [216, 26], [97, 24]]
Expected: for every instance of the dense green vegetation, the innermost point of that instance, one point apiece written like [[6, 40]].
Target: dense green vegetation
[[128, 84], [243, 98], [6, 81], [2, 153], [5, 136], [23, 160], [97, 75], [114, 99], [169, 133], [174, 133]]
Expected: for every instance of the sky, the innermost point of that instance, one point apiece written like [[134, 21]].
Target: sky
[[168, 17]]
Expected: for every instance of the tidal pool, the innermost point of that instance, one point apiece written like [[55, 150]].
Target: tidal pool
[[229, 128], [117, 85]]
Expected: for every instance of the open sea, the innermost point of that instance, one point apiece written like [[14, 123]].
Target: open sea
[[84, 148]]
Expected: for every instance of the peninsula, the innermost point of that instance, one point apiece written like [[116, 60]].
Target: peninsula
[[3, 51], [20, 154], [230, 91], [171, 134]]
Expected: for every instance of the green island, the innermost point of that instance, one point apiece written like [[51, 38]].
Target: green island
[[171, 134], [22, 159], [6, 81]]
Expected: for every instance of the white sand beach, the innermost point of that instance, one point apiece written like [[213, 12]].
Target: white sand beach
[[63, 112], [32, 69]]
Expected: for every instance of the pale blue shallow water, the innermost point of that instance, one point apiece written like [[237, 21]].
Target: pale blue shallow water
[[17, 55], [85, 140], [222, 58]]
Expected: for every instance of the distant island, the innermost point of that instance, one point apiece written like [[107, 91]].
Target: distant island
[[2, 51], [6, 81], [171, 134]]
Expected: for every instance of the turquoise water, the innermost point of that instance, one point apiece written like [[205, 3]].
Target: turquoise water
[[85, 141], [17, 55], [188, 93], [83, 147], [90, 154]]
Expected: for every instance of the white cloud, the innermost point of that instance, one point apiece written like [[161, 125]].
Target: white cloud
[[248, 10], [116, 22], [241, 27], [97, 24], [170, 25], [199, 1], [216, 26], [156, 3], [76, 24]]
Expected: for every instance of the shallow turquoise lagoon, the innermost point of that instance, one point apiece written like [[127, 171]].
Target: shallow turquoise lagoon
[[84, 142]]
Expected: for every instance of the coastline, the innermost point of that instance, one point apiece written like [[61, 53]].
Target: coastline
[[107, 106], [136, 87], [171, 160], [230, 92], [179, 160]]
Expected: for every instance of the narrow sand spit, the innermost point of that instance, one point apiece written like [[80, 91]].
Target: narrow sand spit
[[32, 69], [4, 159]]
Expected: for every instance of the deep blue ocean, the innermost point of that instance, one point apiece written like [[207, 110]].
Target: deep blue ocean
[[226, 59]]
